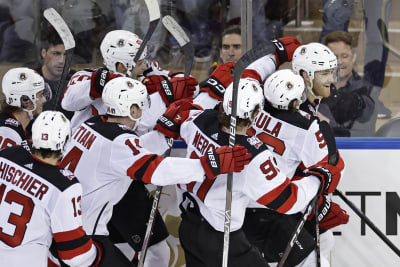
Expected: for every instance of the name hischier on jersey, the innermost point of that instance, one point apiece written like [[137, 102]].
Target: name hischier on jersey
[[21, 179]]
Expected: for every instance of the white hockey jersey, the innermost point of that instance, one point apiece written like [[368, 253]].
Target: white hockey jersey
[[11, 132], [77, 98], [260, 181], [107, 156], [39, 202]]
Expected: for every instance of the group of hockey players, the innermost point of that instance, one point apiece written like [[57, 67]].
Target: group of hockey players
[[70, 191]]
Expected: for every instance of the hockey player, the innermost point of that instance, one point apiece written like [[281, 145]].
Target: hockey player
[[110, 159], [39, 201], [203, 205], [212, 90], [118, 48], [25, 92], [297, 141]]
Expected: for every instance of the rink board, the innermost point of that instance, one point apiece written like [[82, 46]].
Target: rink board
[[371, 177]]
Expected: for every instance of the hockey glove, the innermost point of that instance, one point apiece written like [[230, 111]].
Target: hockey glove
[[170, 122], [98, 80], [328, 174], [330, 214], [285, 47], [219, 80], [225, 160], [171, 90]]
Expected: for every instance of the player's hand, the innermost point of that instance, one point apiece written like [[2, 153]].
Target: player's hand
[[285, 47], [219, 80], [98, 80], [171, 90], [170, 122], [225, 160], [330, 214], [328, 174]]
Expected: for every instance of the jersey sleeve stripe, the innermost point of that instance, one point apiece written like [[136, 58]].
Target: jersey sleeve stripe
[[72, 253], [143, 169], [73, 244], [273, 194], [290, 201], [69, 235], [282, 198]]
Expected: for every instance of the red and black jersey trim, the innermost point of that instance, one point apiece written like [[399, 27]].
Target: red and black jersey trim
[[282, 198], [288, 116], [143, 168], [72, 243]]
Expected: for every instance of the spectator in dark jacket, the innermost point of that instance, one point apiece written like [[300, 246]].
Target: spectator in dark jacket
[[349, 109]]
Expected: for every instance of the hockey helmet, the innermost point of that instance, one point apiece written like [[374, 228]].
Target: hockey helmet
[[20, 86], [121, 93], [314, 57], [249, 96], [121, 46], [284, 86], [51, 130]]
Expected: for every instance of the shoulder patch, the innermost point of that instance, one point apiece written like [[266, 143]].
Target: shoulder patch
[[254, 141], [68, 174], [12, 122]]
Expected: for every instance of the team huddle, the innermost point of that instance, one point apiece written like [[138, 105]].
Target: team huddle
[[71, 191]]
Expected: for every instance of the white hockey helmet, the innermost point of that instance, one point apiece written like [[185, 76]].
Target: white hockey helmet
[[249, 96], [121, 93], [313, 57], [20, 86], [284, 86], [51, 130], [121, 46]]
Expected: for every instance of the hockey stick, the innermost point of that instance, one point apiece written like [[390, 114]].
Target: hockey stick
[[176, 30], [368, 222], [154, 14], [250, 56], [69, 43], [317, 240], [154, 207], [297, 231], [183, 40]]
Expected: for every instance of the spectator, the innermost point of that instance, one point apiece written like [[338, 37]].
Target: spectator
[[336, 18], [230, 49], [349, 108], [53, 54], [231, 44]]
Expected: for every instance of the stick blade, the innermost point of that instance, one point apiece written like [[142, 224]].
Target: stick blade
[[61, 27], [176, 30], [153, 8]]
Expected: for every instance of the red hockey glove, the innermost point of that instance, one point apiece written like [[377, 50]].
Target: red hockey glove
[[225, 160], [285, 48], [170, 122], [219, 79], [330, 214], [99, 254], [328, 174], [171, 90], [98, 81]]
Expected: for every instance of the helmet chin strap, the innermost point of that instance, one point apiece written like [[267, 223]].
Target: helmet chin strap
[[136, 121]]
